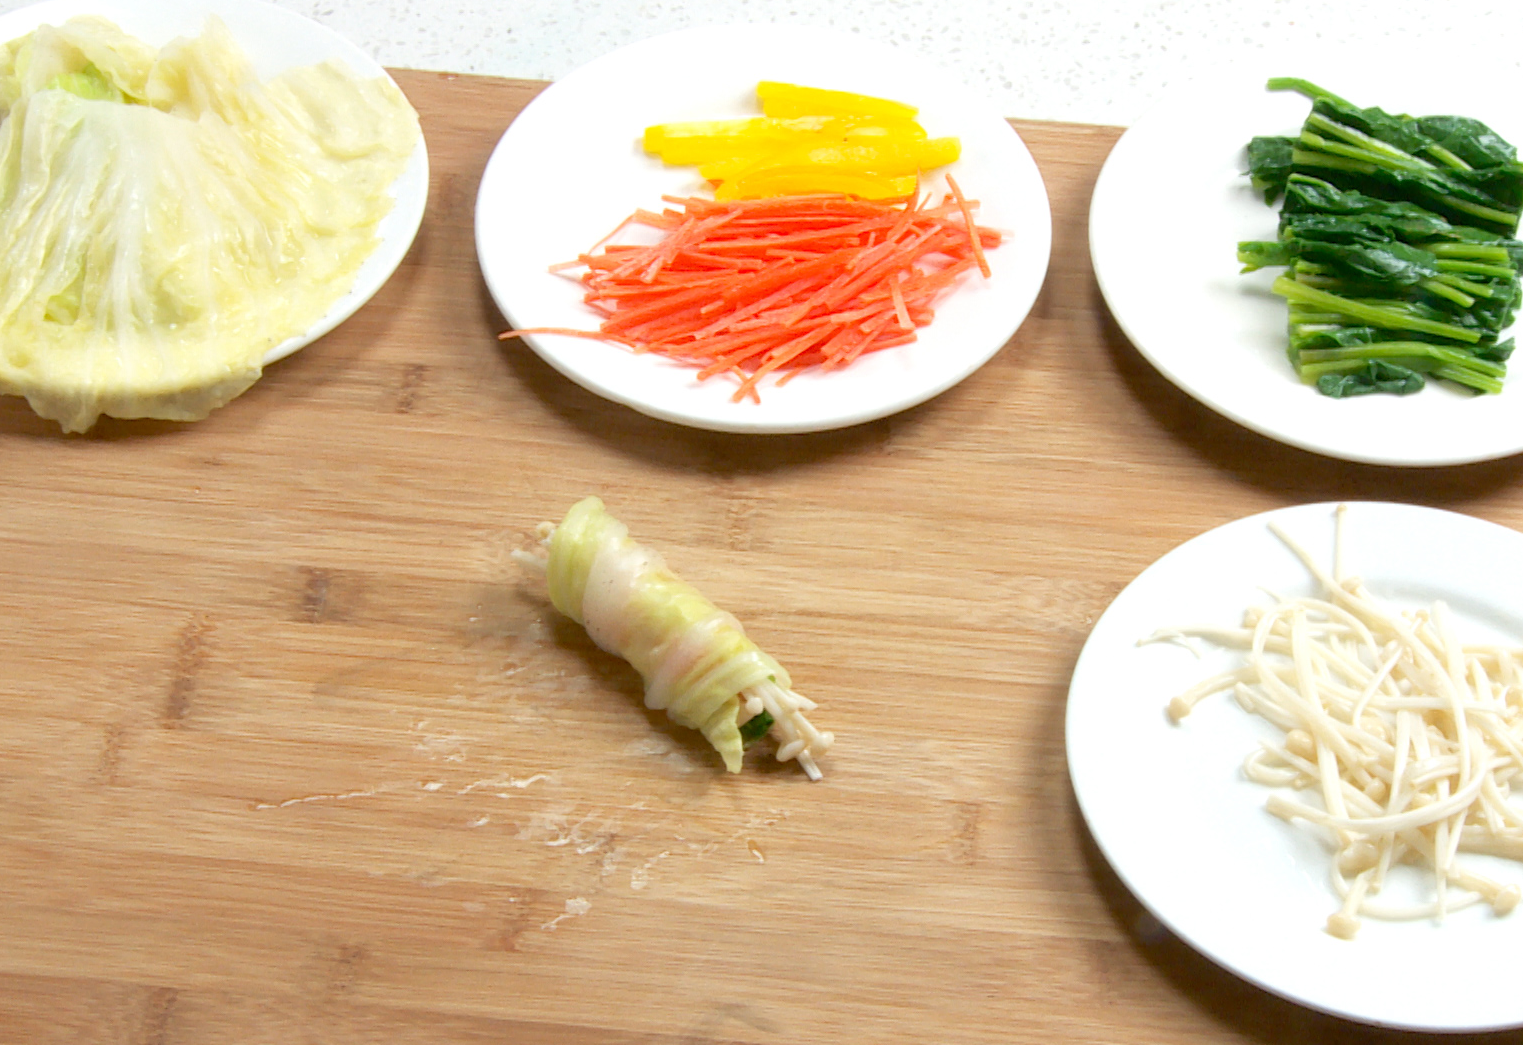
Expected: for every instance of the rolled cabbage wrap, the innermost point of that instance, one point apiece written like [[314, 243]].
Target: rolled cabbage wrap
[[697, 662]]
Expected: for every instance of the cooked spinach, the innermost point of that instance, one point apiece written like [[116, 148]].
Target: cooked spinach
[[754, 728], [1374, 376], [1269, 165], [1397, 237]]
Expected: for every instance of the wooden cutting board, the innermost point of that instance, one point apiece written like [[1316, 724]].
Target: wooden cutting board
[[294, 752]]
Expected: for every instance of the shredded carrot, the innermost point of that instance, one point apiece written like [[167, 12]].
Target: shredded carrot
[[747, 288], [967, 219]]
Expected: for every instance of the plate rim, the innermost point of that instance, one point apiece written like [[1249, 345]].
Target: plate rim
[[1032, 267], [1109, 198], [1103, 647], [396, 232]]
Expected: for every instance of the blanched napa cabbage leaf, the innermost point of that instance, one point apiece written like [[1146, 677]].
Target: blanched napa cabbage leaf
[[168, 219], [695, 658]]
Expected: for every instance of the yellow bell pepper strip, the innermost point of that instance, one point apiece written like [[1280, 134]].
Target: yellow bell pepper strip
[[719, 141], [808, 182], [810, 141], [879, 128], [682, 144], [787, 99], [885, 157]]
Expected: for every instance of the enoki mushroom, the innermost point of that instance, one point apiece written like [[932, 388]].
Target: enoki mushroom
[[1409, 739]]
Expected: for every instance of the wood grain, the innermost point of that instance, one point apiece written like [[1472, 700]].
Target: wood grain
[[294, 753]]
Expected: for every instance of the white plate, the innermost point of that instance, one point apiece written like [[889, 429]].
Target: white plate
[[1188, 833], [570, 168], [275, 40], [1169, 208]]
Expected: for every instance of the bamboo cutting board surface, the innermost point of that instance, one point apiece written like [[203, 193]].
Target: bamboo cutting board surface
[[294, 752]]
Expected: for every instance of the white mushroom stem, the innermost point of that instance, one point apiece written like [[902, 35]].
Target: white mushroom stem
[[797, 738]]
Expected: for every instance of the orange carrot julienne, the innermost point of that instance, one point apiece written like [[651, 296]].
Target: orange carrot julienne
[[967, 219], [777, 286]]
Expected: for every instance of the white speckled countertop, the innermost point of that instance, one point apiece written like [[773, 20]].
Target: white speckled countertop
[[1085, 61]]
